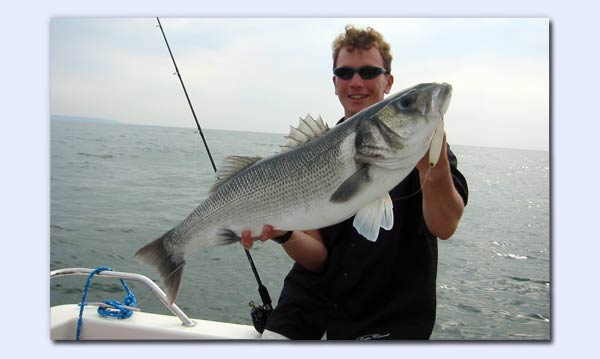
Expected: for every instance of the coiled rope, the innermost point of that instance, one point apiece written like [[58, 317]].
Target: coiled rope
[[112, 308]]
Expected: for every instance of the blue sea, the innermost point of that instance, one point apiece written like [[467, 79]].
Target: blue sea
[[115, 187]]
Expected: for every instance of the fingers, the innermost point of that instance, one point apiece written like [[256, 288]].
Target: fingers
[[247, 240], [268, 232], [423, 165]]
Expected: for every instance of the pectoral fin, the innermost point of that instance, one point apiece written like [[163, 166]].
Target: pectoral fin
[[378, 214], [351, 186]]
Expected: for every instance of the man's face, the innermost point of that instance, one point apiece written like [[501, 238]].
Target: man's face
[[356, 94]]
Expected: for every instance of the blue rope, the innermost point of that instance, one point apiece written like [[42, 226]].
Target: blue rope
[[115, 309]]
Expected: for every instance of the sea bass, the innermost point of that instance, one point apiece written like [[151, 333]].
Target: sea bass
[[324, 177]]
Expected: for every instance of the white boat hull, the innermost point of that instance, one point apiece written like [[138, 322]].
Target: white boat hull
[[140, 326]]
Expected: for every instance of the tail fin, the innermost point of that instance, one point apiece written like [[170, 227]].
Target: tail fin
[[170, 267]]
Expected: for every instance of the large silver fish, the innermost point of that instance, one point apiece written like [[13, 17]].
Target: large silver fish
[[324, 177]]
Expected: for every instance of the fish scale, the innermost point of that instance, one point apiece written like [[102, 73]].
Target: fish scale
[[325, 177], [246, 197]]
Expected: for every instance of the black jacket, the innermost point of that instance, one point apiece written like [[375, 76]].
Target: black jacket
[[369, 290]]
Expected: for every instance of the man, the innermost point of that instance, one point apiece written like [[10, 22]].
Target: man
[[343, 286]]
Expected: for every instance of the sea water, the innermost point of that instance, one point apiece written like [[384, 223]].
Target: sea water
[[115, 187]]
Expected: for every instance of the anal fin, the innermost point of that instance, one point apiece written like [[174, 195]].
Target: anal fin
[[226, 236]]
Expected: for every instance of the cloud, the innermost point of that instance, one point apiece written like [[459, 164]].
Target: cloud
[[262, 74]]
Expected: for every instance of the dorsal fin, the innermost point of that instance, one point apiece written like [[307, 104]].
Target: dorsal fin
[[307, 130], [230, 166]]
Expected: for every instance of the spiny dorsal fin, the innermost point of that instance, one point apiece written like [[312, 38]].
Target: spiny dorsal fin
[[230, 166], [308, 129]]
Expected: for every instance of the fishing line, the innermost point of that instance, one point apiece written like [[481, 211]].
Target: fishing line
[[167, 277], [264, 294], [417, 191]]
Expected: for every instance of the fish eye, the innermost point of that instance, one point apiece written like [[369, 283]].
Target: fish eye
[[405, 102]]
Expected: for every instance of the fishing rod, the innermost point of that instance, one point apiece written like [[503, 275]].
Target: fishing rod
[[259, 313], [187, 96]]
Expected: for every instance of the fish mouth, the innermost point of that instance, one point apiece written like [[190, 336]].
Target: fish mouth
[[440, 98], [445, 96]]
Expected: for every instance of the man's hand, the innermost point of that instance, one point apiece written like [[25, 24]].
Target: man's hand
[[442, 205], [423, 165], [267, 233], [305, 247]]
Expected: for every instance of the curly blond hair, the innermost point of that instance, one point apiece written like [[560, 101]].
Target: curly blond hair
[[362, 39]]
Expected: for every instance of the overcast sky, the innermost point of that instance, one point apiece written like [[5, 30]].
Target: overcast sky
[[262, 74]]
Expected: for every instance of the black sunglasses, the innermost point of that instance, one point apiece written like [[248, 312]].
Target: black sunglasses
[[365, 72]]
